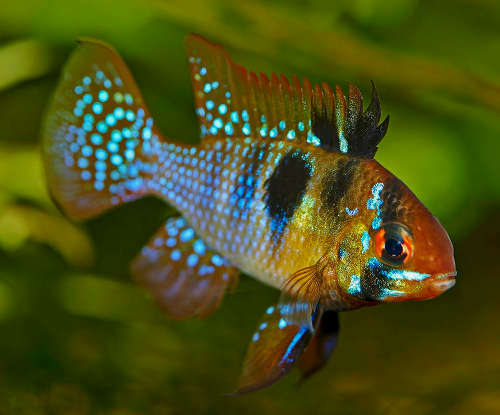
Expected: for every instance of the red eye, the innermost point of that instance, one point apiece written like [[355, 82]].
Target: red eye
[[393, 244]]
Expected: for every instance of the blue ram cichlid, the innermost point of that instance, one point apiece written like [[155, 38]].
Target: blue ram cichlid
[[283, 186]]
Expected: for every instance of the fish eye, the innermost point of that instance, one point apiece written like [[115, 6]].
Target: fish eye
[[394, 244]]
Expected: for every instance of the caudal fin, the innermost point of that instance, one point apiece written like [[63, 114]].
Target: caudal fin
[[100, 146]]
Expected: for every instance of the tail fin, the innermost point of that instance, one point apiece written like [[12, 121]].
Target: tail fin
[[100, 147]]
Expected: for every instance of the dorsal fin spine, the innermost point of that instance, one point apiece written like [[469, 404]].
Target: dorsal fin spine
[[278, 108]]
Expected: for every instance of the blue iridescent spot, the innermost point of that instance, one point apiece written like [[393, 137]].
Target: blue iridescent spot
[[97, 107], [291, 135], [255, 336], [86, 80], [365, 241], [192, 260], [377, 188], [129, 154], [376, 222], [87, 151], [313, 139], [100, 165], [175, 255], [87, 98], [187, 234], [101, 154], [86, 175], [234, 117], [100, 175], [203, 71], [116, 159], [270, 310], [207, 88], [300, 126], [126, 133], [199, 247], [78, 90], [116, 136], [102, 127], [83, 163], [282, 125], [130, 115], [119, 113], [217, 260], [218, 123], [110, 120], [273, 133], [103, 96], [354, 285], [282, 323], [146, 133], [244, 115], [96, 139], [263, 131], [228, 128], [210, 104], [263, 326], [246, 129], [222, 109], [352, 212], [128, 99], [78, 112], [113, 147], [215, 85]]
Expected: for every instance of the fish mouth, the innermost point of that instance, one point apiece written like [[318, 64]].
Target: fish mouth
[[443, 282]]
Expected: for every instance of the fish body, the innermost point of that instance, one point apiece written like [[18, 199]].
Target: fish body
[[283, 187]]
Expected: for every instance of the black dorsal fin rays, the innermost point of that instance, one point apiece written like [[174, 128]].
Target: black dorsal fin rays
[[234, 102]]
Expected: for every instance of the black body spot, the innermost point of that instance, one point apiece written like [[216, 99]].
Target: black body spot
[[338, 182], [391, 195], [285, 189]]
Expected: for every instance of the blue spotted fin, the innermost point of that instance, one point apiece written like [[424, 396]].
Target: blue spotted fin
[[186, 277], [322, 344], [276, 346], [100, 146], [232, 101]]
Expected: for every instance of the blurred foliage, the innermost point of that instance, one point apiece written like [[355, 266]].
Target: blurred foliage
[[79, 338]]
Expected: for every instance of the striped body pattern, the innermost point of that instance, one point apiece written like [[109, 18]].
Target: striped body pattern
[[283, 187]]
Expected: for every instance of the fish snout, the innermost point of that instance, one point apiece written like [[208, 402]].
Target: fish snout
[[441, 283]]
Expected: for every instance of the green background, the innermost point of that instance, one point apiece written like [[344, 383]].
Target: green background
[[78, 337]]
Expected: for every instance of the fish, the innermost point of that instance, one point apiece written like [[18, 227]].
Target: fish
[[283, 187]]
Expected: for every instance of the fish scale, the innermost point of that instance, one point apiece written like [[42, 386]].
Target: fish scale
[[212, 195], [282, 186]]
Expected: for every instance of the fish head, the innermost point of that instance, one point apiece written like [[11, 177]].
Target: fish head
[[395, 249]]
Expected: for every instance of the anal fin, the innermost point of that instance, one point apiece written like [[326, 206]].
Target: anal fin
[[186, 277]]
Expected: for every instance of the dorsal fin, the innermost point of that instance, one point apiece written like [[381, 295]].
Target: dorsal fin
[[231, 101]]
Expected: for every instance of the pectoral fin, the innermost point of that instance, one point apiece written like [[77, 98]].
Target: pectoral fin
[[322, 344], [307, 283], [276, 345]]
